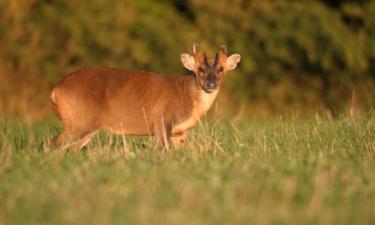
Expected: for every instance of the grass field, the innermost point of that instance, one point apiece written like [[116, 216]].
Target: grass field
[[279, 171]]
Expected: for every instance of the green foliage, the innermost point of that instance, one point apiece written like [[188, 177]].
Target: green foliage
[[294, 53], [260, 172], [290, 48]]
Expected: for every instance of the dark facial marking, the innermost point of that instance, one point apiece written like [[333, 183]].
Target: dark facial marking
[[210, 72], [201, 71]]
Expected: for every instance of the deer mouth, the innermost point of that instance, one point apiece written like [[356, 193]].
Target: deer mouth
[[210, 87], [209, 91]]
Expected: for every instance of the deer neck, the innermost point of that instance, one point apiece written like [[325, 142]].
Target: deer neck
[[201, 101]]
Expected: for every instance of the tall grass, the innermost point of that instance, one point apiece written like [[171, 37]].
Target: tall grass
[[279, 171]]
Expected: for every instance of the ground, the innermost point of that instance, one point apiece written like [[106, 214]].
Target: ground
[[275, 171]]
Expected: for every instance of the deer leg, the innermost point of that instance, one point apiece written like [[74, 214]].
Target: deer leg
[[85, 140], [61, 139], [178, 139], [77, 139], [162, 133]]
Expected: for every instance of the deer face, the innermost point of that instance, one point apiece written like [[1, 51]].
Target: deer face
[[210, 72]]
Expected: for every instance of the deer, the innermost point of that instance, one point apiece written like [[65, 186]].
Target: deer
[[143, 103]]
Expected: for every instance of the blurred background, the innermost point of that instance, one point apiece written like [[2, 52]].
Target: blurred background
[[297, 56]]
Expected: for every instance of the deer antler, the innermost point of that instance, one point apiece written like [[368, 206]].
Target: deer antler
[[224, 49], [195, 45]]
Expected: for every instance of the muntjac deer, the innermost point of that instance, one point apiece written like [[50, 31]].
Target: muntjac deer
[[139, 103]]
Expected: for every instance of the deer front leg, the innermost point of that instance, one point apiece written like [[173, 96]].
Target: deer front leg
[[162, 132], [178, 139]]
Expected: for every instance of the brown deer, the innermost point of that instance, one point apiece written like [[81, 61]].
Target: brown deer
[[139, 103]]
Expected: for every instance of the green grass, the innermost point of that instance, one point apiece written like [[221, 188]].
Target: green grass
[[281, 171]]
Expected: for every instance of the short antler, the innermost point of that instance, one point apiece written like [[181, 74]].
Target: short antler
[[224, 49], [195, 45]]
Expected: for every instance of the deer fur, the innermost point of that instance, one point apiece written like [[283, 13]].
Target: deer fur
[[134, 103]]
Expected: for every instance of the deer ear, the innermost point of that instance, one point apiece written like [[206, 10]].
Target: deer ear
[[188, 61], [232, 61]]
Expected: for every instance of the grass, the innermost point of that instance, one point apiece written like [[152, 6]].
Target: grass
[[280, 171]]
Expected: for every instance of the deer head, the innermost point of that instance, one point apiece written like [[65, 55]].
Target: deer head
[[210, 72]]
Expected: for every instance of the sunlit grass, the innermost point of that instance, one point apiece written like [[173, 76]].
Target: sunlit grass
[[281, 171]]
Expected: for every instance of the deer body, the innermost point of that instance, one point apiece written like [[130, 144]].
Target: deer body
[[131, 103]]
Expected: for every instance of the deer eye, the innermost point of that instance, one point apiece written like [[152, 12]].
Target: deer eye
[[200, 71], [220, 70]]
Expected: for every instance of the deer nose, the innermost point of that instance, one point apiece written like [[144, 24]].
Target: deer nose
[[211, 85]]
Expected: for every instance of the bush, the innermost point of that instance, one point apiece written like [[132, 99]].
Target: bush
[[295, 53]]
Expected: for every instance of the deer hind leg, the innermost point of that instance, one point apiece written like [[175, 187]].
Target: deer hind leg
[[85, 140], [178, 139], [79, 123], [76, 139], [60, 139]]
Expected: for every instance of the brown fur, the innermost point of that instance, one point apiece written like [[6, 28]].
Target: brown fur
[[123, 102], [132, 103]]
